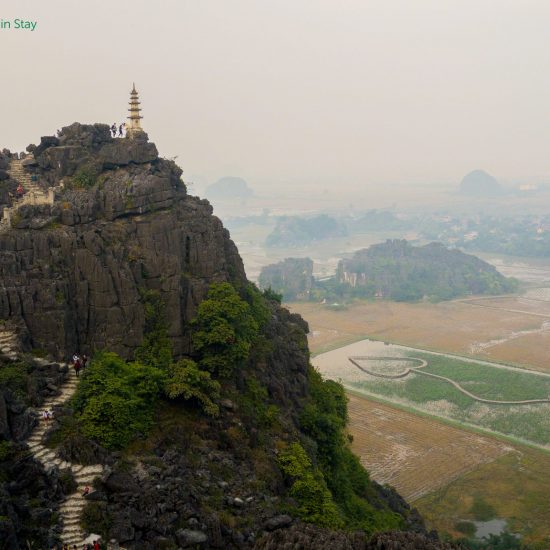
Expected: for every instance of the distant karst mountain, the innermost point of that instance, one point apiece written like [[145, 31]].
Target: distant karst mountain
[[229, 187], [293, 278], [480, 184], [298, 231], [399, 271]]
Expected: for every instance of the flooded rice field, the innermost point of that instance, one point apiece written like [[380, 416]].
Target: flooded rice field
[[501, 399]]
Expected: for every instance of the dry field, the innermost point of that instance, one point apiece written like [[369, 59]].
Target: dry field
[[414, 454], [516, 485], [511, 330], [442, 470]]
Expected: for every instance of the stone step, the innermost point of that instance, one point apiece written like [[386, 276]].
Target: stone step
[[94, 469], [71, 522], [73, 510], [72, 530], [73, 505], [44, 452], [72, 518], [46, 459]]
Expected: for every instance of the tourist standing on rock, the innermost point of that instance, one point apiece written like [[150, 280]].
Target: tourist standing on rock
[[121, 129], [113, 129]]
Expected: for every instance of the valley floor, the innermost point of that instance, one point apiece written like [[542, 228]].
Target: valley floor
[[511, 329], [448, 472]]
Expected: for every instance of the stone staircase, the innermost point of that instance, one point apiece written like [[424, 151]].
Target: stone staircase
[[18, 173], [34, 194], [71, 509], [9, 344]]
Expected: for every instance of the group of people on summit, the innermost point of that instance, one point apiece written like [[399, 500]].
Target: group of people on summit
[[121, 129]]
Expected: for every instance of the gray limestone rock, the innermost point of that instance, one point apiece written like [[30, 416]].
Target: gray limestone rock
[[72, 275], [190, 537]]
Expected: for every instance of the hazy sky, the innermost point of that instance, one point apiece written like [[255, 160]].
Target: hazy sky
[[293, 92]]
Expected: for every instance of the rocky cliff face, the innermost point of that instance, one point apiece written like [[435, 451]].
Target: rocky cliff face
[[71, 274], [74, 276]]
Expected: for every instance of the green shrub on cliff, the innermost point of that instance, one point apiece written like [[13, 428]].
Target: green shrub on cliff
[[324, 419], [115, 400], [225, 330], [155, 349], [315, 502], [185, 379]]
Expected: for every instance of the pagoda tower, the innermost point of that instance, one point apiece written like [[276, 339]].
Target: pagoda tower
[[134, 128]]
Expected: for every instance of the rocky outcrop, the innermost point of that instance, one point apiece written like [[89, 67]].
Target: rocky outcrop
[[293, 278], [28, 501], [309, 537], [72, 275]]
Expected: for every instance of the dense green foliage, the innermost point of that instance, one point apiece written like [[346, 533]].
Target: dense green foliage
[[315, 502], [225, 327], [84, 178], [324, 419], [115, 400], [185, 379], [155, 349], [14, 377]]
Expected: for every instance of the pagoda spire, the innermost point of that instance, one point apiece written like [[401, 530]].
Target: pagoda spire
[[134, 128]]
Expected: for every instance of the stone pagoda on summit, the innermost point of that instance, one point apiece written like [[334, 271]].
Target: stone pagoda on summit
[[134, 129]]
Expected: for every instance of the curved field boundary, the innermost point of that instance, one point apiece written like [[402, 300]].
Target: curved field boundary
[[421, 365], [406, 372]]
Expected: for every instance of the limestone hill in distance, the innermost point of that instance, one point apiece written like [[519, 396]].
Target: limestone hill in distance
[[394, 270]]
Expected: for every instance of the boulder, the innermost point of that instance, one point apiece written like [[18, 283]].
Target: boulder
[[277, 522], [191, 537]]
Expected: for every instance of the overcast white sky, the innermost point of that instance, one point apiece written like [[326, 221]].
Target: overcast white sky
[[293, 92]]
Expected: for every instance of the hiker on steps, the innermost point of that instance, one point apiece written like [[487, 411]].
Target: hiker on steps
[[77, 366], [19, 191], [86, 491]]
